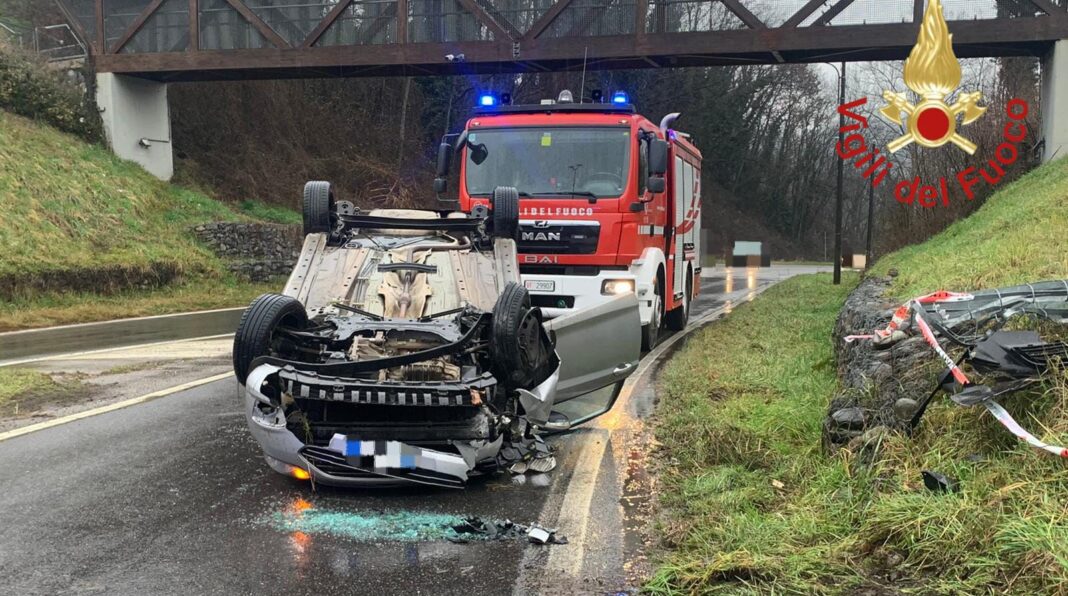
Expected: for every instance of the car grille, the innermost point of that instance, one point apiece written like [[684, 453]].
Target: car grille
[[385, 393]]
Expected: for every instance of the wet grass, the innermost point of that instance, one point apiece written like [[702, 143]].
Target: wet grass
[[24, 391], [271, 213], [751, 505], [74, 215], [1018, 236], [47, 310]]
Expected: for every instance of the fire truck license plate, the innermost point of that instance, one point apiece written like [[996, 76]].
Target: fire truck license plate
[[541, 285]]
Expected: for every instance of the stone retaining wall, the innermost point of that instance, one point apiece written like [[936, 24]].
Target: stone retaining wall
[[880, 387], [254, 251]]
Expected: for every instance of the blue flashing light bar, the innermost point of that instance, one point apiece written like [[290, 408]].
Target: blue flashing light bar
[[487, 101], [619, 97]]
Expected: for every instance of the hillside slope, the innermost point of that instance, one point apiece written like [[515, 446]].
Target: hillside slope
[[74, 212], [1019, 235], [87, 236]]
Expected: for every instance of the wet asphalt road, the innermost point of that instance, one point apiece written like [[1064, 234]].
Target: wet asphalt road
[[173, 497]]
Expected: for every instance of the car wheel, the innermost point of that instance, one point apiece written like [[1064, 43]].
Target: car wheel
[[680, 315], [320, 207], [506, 212], [518, 352], [651, 331], [256, 333]]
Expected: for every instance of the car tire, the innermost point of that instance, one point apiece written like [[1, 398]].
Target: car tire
[[651, 331], [320, 207], [255, 332], [515, 337], [678, 317], [505, 205]]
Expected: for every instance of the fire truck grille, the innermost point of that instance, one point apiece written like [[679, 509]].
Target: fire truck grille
[[559, 238]]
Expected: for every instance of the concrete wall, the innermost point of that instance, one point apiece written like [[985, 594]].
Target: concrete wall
[[1055, 101], [137, 121]]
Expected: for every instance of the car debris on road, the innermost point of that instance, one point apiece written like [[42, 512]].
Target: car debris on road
[[974, 322]]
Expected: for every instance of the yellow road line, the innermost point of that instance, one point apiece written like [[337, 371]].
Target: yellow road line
[[18, 432], [574, 516]]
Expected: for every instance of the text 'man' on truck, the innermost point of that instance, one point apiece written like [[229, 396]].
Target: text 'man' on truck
[[609, 202]]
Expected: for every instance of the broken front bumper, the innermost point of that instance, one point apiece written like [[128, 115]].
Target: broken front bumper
[[372, 457]]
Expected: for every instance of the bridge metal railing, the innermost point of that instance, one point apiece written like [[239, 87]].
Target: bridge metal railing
[[249, 34]]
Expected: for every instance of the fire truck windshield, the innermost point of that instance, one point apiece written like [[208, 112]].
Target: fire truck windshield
[[551, 162]]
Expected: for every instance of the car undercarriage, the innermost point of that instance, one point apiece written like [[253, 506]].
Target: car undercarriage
[[403, 348]]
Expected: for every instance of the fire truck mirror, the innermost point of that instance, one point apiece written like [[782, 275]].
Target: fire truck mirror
[[656, 184], [478, 154], [658, 158], [444, 160], [440, 184]]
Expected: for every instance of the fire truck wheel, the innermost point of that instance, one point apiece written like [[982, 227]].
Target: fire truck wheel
[[680, 315], [256, 335], [516, 335], [506, 212], [320, 207], [651, 331]]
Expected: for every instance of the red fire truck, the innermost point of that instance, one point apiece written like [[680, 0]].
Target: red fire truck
[[609, 202]]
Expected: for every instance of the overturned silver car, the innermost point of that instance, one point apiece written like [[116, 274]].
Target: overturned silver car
[[405, 348]]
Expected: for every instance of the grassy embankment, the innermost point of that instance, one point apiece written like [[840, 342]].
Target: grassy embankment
[[76, 216], [752, 505]]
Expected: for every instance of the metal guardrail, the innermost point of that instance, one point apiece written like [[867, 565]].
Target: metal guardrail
[[32, 344]]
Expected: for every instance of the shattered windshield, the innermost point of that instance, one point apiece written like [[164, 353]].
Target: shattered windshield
[[589, 162]]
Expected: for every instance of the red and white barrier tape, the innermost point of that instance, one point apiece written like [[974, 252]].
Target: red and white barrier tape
[[992, 406]]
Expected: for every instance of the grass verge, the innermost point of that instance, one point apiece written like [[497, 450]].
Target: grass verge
[[1018, 236], [752, 506], [24, 391], [63, 309]]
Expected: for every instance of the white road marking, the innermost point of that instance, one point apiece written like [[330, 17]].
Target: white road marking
[[18, 432]]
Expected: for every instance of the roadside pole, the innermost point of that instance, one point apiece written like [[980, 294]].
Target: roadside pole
[[837, 256], [871, 220]]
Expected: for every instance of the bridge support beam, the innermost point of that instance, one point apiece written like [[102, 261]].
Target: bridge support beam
[[137, 121], [1055, 101]]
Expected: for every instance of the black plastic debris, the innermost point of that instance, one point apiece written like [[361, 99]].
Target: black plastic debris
[[939, 483], [503, 530], [527, 455], [1014, 353]]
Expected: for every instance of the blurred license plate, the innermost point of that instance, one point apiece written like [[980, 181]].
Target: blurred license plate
[[541, 285]]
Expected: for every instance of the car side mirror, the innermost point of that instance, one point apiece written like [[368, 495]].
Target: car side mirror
[[440, 184], [658, 157], [656, 184]]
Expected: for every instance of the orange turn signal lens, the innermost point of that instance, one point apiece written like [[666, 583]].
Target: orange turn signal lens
[[300, 473]]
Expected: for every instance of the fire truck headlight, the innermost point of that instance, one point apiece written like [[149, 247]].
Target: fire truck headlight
[[615, 287]]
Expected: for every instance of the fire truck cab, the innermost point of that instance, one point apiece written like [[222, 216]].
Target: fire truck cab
[[609, 202]]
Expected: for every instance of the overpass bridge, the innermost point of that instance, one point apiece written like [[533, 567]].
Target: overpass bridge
[[137, 46]]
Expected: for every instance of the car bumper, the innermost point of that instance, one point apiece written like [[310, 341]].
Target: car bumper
[[349, 461]]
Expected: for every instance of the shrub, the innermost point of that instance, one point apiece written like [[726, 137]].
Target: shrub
[[29, 88]]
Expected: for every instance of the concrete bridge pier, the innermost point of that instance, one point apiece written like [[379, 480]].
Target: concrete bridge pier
[[137, 121], [1055, 101]]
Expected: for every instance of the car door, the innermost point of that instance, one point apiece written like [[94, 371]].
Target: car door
[[598, 346]]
